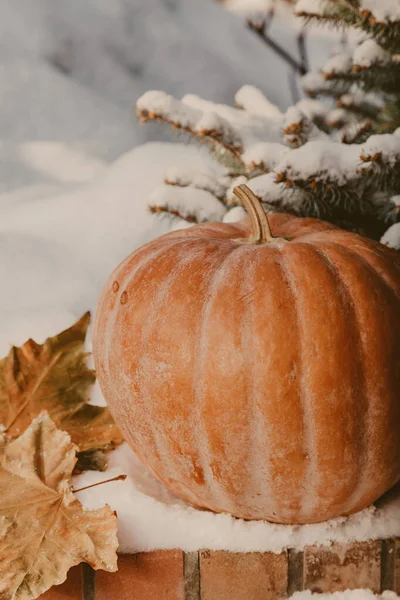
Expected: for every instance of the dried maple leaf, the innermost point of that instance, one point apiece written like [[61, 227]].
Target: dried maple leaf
[[44, 530], [55, 377]]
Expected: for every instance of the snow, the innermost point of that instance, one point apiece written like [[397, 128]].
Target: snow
[[118, 49], [254, 101], [60, 242], [211, 179], [347, 595], [151, 517], [391, 237], [383, 10], [250, 6], [265, 155], [314, 82], [237, 213], [189, 201], [370, 53], [334, 161], [338, 64], [311, 7], [312, 108], [165, 107]]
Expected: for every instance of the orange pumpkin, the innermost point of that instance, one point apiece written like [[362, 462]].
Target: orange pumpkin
[[254, 374]]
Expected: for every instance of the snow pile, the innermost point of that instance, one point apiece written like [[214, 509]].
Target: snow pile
[[60, 241], [151, 517], [347, 595]]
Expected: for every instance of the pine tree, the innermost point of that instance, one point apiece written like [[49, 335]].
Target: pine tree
[[334, 155]]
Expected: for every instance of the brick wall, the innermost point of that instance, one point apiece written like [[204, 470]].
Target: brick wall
[[218, 575]]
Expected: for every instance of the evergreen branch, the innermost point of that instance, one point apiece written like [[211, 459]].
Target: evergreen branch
[[198, 187], [359, 134], [363, 110], [345, 14], [165, 210], [212, 136], [383, 78]]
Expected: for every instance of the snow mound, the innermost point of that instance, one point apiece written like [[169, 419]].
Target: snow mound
[[150, 517]]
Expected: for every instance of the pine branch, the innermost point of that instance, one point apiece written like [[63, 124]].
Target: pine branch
[[361, 109], [344, 13], [212, 136], [173, 212], [358, 135]]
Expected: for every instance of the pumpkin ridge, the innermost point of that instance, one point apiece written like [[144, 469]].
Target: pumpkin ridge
[[248, 324], [368, 421], [179, 258], [112, 316], [202, 435], [304, 392], [379, 272], [353, 327], [166, 448]]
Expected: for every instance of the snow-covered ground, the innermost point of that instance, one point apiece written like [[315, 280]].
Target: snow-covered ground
[[75, 187], [73, 192]]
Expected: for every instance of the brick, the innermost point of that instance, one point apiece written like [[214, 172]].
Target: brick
[[295, 572], [191, 575], [397, 566], [69, 590], [235, 576], [145, 576], [388, 564], [343, 566]]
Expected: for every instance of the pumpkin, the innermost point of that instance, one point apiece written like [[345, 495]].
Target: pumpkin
[[254, 367]]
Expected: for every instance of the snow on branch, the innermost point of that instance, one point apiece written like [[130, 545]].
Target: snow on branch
[[188, 203], [255, 102], [298, 129], [335, 162], [251, 127], [315, 84], [320, 178], [311, 7], [264, 156], [200, 178], [370, 53], [382, 10], [339, 64], [156, 105]]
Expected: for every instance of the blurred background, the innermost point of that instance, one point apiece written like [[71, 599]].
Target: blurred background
[[76, 167]]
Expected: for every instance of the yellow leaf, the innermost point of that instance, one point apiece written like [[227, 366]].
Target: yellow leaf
[[55, 377], [44, 530]]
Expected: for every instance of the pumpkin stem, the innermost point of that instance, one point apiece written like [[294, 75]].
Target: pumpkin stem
[[261, 231]]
